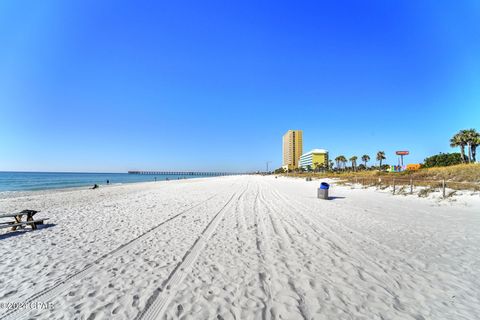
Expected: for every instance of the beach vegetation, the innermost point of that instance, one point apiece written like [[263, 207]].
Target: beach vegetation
[[443, 160], [424, 192], [353, 160], [380, 157], [365, 159], [341, 162], [469, 139], [279, 171]]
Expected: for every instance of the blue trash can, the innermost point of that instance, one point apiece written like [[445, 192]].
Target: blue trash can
[[323, 191]]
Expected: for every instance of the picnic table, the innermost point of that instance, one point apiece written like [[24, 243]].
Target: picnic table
[[18, 222]]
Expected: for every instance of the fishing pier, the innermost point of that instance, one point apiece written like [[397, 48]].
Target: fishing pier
[[183, 173]]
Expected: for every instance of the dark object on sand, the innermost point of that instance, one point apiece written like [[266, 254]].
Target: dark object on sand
[[95, 186], [108, 181], [19, 223]]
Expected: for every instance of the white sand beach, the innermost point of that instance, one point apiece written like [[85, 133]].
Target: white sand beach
[[242, 247]]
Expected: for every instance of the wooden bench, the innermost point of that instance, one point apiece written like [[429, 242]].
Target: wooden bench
[[19, 223]]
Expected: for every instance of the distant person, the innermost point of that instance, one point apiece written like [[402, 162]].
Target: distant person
[[166, 179], [155, 178], [108, 181], [95, 186]]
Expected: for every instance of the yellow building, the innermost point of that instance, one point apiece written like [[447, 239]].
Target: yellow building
[[314, 158], [292, 149]]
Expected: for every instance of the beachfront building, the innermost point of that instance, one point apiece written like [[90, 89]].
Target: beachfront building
[[314, 159], [292, 149]]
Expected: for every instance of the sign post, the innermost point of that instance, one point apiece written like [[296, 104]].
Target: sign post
[[401, 154]]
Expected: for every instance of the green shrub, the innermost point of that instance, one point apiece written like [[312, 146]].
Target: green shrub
[[443, 160], [423, 193], [279, 171]]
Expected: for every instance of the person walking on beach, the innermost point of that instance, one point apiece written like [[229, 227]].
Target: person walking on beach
[[108, 181]]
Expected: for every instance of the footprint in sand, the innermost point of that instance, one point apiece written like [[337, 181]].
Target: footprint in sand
[[179, 310], [135, 300]]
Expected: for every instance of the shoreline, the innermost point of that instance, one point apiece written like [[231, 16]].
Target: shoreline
[[14, 193]]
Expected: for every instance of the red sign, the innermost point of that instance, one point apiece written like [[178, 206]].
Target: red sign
[[402, 153]]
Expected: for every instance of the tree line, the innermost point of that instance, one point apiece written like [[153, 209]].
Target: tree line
[[467, 140], [341, 164], [341, 161]]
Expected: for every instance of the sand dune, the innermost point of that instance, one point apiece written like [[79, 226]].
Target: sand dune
[[243, 247]]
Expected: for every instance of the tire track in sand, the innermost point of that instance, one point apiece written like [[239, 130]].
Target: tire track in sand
[[389, 251], [158, 302], [264, 274], [339, 244], [384, 279], [49, 293], [284, 255]]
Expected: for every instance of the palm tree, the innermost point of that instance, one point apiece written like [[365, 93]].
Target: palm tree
[[475, 144], [337, 161], [309, 168], [365, 159], [458, 140], [353, 160], [343, 160], [467, 136], [323, 166], [471, 137], [381, 157]]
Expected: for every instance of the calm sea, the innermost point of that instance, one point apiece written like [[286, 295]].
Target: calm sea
[[25, 181]]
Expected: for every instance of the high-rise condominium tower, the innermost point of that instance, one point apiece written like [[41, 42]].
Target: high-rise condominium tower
[[292, 149]]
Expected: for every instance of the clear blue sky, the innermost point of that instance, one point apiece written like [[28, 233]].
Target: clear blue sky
[[213, 85]]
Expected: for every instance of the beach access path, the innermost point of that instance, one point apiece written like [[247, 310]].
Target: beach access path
[[241, 247]]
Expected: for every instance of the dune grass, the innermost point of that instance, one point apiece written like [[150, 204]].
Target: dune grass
[[459, 173], [463, 176]]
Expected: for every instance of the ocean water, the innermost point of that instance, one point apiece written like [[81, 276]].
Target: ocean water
[[29, 181]]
